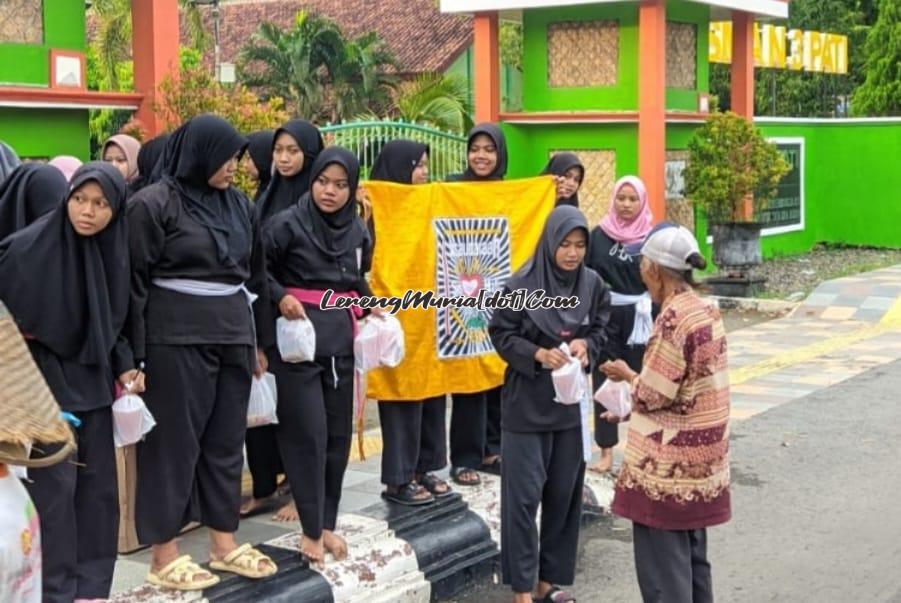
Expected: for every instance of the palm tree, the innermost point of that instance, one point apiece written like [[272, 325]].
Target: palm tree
[[292, 64], [441, 101], [362, 79], [112, 47]]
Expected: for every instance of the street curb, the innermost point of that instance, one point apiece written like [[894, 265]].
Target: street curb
[[397, 554]]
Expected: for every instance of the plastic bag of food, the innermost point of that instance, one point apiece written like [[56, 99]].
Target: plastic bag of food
[[261, 409], [296, 339], [570, 381], [615, 396], [131, 420]]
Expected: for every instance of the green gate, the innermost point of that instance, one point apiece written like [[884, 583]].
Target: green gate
[[447, 152]]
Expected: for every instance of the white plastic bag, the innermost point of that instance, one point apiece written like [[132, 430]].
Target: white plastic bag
[[20, 544], [380, 342], [615, 396], [131, 420], [296, 339], [261, 410], [366, 347], [391, 340], [570, 381]]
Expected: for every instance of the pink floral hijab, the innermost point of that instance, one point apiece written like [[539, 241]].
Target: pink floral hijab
[[636, 229]]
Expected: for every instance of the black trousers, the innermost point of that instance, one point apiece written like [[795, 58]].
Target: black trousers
[[315, 427], [78, 506], [672, 566], [414, 436], [606, 435], [493, 421], [189, 465], [264, 459], [467, 431], [540, 468]]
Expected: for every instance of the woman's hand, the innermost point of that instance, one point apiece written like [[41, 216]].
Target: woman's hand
[[612, 418], [554, 358], [377, 312], [291, 308], [262, 364], [132, 381], [579, 349], [618, 370]]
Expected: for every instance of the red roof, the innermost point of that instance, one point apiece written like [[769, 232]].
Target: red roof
[[421, 38]]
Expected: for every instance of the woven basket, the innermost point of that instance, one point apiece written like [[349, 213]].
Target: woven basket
[[681, 55], [22, 22], [600, 176], [582, 54], [28, 411]]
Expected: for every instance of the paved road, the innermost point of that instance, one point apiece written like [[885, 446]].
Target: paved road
[[816, 501]]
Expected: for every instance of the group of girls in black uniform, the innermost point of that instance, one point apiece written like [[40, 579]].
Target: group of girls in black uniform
[[150, 272]]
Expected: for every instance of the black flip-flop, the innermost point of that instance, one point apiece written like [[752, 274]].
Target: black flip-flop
[[406, 495], [494, 467], [557, 595], [432, 482], [456, 472]]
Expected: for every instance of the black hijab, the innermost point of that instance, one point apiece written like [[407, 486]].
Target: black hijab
[[195, 152], [260, 151], [338, 233], [500, 143], [148, 156], [397, 160], [32, 190], [285, 192], [542, 272], [558, 166], [79, 307]]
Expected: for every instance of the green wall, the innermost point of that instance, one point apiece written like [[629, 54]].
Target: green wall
[[538, 96], [530, 144], [64, 28], [46, 133]]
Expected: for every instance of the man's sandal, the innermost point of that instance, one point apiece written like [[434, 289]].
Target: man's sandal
[[245, 561], [180, 575]]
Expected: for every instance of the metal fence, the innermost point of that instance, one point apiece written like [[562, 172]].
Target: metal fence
[[447, 152]]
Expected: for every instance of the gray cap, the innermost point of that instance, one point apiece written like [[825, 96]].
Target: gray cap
[[670, 246]]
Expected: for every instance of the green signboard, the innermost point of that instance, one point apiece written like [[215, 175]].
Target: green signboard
[[786, 211]]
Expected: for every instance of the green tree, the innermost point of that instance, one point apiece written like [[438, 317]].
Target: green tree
[[361, 80], [432, 99], [880, 94], [291, 64]]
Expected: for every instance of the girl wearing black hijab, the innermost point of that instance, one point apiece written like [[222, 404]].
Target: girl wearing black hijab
[[258, 161], [475, 433], [542, 439], [148, 156], [66, 279], [413, 431], [197, 267], [296, 146], [315, 245], [30, 191], [569, 174]]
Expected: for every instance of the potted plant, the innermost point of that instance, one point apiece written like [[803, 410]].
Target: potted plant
[[732, 174]]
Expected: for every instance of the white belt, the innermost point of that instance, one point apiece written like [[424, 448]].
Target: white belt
[[189, 286], [643, 324]]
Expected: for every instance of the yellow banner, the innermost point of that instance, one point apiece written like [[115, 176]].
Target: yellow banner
[[780, 48], [454, 240]]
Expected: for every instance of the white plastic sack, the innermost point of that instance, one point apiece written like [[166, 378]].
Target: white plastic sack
[[391, 340], [570, 381], [20, 544], [261, 410], [366, 347], [131, 420], [380, 342], [615, 396], [296, 339]]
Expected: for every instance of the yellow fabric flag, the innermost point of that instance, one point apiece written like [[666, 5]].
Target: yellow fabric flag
[[452, 239]]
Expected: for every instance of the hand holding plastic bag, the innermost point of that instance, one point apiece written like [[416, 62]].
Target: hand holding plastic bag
[[263, 404], [570, 381], [296, 339], [615, 396], [380, 342], [131, 420]]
